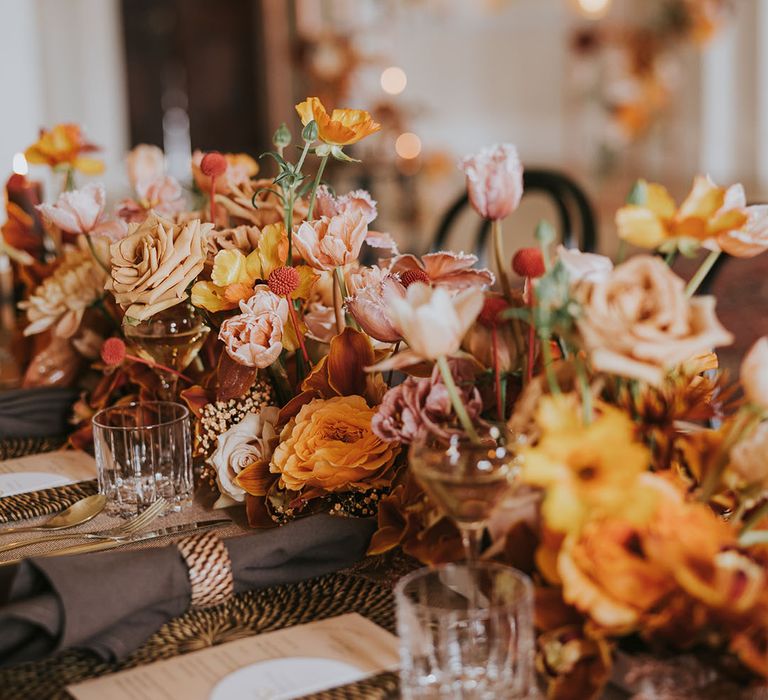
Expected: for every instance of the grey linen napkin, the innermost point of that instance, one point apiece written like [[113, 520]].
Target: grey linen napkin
[[111, 602]]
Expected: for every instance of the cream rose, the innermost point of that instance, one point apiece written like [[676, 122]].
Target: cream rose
[[155, 263], [749, 458], [638, 322], [249, 441]]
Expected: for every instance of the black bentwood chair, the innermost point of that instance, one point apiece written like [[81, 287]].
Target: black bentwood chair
[[568, 197]]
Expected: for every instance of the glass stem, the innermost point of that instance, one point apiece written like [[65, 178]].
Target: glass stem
[[471, 538], [458, 404], [702, 272], [498, 252]]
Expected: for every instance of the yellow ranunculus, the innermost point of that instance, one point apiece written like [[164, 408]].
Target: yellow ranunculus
[[342, 127], [229, 267], [329, 446], [655, 221], [64, 145], [586, 470]]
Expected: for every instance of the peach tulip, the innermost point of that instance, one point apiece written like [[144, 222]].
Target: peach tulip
[[368, 304], [754, 373]]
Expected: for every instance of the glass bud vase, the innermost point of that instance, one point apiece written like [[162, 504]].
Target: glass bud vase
[[172, 338]]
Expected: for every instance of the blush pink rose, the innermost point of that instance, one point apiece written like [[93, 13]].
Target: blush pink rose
[[356, 202], [327, 243], [368, 289], [78, 211], [494, 180]]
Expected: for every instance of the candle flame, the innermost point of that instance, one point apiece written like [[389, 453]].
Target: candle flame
[[20, 165]]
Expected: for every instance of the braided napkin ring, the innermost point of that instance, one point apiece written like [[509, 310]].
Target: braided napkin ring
[[210, 569]]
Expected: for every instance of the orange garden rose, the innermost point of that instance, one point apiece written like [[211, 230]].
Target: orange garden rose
[[64, 145], [342, 127], [329, 446]]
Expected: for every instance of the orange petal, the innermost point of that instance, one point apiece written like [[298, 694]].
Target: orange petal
[[349, 355], [256, 478], [640, 226], [704, 199]]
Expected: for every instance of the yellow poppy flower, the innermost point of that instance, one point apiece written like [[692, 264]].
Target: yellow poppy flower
[[342, 127], [63, 146], [586, 470], [655, 221]]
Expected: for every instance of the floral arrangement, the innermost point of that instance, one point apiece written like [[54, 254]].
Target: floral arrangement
[[651, 521]]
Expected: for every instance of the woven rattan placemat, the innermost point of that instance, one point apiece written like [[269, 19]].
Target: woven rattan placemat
[[366, 590], [36, 503], [245, 615]]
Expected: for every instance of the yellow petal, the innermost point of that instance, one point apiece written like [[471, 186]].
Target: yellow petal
[[311, 109], [207, 295], [659, 201], [229, 268], [704, 199], [640, 226], [253, 265], [273, 248], [731, 220], [307, 279], [89, 166]]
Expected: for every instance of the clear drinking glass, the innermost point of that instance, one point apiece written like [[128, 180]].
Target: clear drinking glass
[[143, 452], [454, 649], [466, 480]]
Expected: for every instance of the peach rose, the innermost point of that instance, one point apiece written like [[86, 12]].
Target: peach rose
[[638, 322], [254, 337], [754, 373], [329, 445], [155, 263], [242, 238], [327, 243]]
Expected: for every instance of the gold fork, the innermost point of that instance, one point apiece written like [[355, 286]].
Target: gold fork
[[127, 528]]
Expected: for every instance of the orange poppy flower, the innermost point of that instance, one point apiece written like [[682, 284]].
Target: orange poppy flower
[[342, 127], [63, 146]]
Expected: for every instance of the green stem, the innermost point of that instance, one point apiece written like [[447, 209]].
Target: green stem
[[315, 185], [458, 404], [702, 272], [586, 393], [96, 256], [622, 252], [546, 356], [339, 273], [669, 258], [498, 253], [99, 304], [303, 157], [69, 179], [289, 225]]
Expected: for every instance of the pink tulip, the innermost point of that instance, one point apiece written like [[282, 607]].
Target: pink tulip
[[367, 304], [327, 243], [78, 211], [494, 180]]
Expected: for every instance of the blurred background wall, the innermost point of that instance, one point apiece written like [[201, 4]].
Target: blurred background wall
[[194, 73]]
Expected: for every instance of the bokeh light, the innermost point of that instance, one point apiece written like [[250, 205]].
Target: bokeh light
[[393, 80], [408, 145], [594, 9]]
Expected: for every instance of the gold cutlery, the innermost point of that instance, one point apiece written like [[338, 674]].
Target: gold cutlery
[[78, 513], [127, 528], [113, 542]]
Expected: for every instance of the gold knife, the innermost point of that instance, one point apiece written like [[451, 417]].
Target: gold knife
[[184, 529]]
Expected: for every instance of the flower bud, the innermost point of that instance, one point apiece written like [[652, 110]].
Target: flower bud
[[282, 137], [113, 351], [213, 164], [310, 131]]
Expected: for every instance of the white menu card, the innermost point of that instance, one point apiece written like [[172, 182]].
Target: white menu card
[[45, 470]]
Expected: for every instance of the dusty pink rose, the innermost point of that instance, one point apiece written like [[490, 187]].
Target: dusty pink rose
[[494, 180], [424, 404], [584, 267], [368, 289], [254, 337], [145, 165], [445, 269], [327, 243], [78, 211]]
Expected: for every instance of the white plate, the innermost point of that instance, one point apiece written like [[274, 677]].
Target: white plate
[[283, 679], [22, 482]]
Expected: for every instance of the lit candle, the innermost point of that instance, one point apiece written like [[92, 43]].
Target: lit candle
[[26, 194]]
